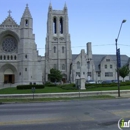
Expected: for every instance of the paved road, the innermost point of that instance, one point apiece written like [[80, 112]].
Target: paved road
[[69, 115]]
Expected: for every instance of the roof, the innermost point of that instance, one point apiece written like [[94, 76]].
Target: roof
[[98, 58]]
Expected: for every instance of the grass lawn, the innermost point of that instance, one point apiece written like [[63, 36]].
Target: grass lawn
[[58, 89], [27, 91]]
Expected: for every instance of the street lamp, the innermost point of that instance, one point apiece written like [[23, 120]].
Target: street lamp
[[117, 58]]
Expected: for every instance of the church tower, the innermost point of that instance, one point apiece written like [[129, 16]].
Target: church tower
[[58, 45], [27, 48]]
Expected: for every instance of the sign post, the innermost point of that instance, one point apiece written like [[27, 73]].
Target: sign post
[[33, 91]]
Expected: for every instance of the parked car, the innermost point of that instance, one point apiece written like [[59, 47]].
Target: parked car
[[90, 82]]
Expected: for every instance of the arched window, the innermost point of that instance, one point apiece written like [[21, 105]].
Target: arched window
[[4, 57], [8, 57], [14, 57], [63, 49], [61, 25], [54, 26], [26, 56], [26, 22], [11, 57], [54, 49], [78, 65]]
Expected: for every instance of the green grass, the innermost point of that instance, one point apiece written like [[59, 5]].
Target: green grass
[[27, 91], [55, 99], [57, 89]]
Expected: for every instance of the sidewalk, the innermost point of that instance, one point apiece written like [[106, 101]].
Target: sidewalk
[[123, 93]]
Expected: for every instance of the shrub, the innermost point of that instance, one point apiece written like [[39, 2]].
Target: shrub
[[30, 86]]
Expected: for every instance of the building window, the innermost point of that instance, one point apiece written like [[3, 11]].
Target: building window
[[25, 69], [111, 66], [78, 65], [105, 66], [63, 49], [14, 57], [107, 60], [63, 66], [61, 25], [26, 56], [84, 73], [19, 73], [54, 26], [8, 57], [78, 73], [89, 74], [98, 74], [4, 57], [108, 74], [26, 22], [54, 49], [11, 57]]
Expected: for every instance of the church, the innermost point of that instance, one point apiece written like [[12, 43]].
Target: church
[[20, 62]]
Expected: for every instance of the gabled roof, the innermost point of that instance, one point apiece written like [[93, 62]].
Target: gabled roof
[[98, 58], [9, 21], [74, 56]]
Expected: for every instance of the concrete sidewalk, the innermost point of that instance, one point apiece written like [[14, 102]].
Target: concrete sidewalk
[[123, 93]]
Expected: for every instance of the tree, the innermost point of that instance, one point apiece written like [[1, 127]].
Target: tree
[[124, 71], [55, 75]]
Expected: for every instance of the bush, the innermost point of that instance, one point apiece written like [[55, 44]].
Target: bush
[[30, 86]]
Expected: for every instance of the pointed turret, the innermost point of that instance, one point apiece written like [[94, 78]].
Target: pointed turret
[[26, 20], [27, 13], [65, 7], [50, 7]]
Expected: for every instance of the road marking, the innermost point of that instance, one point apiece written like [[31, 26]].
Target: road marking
[[122, 113]]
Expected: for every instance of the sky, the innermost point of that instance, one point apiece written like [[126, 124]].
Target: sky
[[95, 21]]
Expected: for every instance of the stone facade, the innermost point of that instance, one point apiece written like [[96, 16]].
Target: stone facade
[[21, 64]]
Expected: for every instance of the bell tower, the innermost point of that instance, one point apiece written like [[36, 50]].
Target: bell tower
[[58, 45]]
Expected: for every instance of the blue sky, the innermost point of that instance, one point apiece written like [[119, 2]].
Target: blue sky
[[96, 21]]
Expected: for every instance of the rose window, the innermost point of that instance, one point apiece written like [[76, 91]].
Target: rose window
[[9, 44]]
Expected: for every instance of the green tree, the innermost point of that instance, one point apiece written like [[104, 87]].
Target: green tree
[[55, 75], [124, 71]]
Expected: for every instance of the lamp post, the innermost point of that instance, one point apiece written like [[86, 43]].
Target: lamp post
[[117, 57]]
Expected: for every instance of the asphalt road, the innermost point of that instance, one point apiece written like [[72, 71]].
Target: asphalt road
[[68, 115]]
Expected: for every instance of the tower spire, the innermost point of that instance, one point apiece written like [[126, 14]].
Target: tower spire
[[50, 6], [65, 7], [27, 12]]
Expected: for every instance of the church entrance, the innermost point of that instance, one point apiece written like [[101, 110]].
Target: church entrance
[[9, 78], [64, 78]]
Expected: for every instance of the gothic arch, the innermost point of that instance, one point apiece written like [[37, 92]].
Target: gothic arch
[[8, 73], [61, 25], [54, 25]]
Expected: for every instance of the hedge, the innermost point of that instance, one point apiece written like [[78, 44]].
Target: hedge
[[30, 86]]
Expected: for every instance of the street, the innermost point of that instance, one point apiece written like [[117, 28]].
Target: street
[[64, 115]]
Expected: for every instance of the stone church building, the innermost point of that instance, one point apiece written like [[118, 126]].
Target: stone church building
[[21, 64]]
